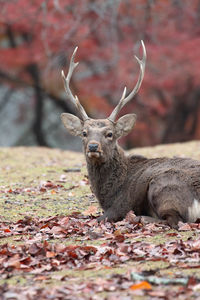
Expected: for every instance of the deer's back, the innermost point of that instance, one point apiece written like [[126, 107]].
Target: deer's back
[[179, 177]]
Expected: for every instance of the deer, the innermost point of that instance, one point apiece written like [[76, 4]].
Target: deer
[[162, 188]]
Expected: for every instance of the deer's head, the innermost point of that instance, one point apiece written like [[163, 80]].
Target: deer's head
[[100, 136]]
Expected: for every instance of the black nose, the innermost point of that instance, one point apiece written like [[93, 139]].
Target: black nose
[[93, 147]]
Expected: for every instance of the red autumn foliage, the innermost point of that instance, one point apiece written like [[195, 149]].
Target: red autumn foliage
[[43, 34]]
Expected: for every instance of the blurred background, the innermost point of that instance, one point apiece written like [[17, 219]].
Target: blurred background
[[37, 38]]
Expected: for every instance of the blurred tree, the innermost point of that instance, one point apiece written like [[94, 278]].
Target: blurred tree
[[37, 38]]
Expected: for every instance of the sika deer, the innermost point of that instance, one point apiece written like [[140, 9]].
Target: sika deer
[[164, 188]]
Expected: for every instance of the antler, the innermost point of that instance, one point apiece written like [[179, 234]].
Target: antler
[[66, 81], [124, 100]]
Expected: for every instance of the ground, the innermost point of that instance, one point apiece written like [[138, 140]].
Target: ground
[[51, 246]]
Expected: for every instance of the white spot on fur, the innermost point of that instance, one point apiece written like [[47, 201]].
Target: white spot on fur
[[93, 154], [194, 211]]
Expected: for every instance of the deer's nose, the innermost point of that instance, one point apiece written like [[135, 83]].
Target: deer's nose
[[93, 147]]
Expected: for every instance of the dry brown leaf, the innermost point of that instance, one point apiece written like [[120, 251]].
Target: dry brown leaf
[[91, 211]]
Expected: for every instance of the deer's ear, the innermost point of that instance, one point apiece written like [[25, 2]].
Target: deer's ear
[[125, 124], [72, 123]]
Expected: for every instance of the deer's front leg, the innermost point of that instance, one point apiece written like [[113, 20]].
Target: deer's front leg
[[116, 212], [110, 216]]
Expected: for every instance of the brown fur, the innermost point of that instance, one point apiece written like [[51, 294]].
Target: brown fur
[[163, 188]]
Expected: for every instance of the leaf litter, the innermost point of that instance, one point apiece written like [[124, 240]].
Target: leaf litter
[[71, 256], [41, 257]]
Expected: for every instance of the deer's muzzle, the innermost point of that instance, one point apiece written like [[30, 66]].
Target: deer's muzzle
[[94, 149]]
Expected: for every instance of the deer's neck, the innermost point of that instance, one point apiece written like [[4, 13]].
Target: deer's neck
[[107, 178]]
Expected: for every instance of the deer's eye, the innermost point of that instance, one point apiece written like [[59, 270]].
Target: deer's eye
[[109, 134], [84, 133]]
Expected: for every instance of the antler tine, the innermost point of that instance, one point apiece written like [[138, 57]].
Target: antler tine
[[124, 100], [66, 81]]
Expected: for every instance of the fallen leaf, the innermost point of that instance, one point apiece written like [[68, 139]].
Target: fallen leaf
[[91, 211], [183, 226], [143, 285], [40, 278], [50, 254], [158, 294]]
